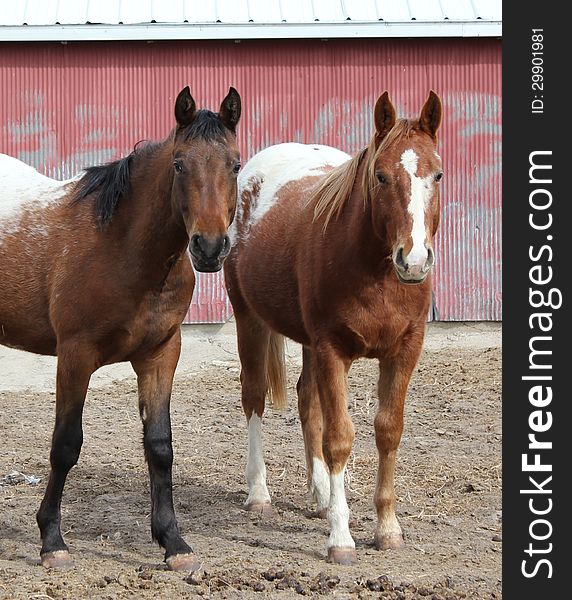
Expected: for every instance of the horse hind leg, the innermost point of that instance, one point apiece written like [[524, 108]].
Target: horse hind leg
[[74, 370], [311, 420], [253, 346]]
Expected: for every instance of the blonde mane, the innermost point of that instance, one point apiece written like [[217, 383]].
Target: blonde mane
[[334, 191]]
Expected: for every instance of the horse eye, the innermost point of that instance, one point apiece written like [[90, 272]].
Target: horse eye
[[439, 176], [236, 168], [381, 177], [178, 167]]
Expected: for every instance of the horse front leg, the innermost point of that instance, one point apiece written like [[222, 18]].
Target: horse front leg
[[155, 379], [75, 366], [394, 378], [338, 435]]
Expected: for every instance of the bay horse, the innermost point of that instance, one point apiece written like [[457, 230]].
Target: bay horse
[[335, 253], [96, 270]]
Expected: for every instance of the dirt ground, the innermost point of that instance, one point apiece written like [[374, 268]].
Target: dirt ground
[[448, 484]]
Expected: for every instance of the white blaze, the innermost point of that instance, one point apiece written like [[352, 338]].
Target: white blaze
[[421, 192]]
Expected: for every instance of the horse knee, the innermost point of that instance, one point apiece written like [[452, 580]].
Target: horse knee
[[337, 445], [388, 431], [66, 448], [159, 452]]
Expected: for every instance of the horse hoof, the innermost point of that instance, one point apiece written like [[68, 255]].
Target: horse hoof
[[342, 556], [183, 563], [321, 513], [262, 508], [58, 559], [392, 541]]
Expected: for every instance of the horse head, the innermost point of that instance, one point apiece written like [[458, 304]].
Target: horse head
[[206, 162], [404, 171]]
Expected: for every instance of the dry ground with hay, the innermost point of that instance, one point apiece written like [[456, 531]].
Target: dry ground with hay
[[448, 483]]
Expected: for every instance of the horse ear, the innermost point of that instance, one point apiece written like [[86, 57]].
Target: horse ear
[[230, 109], [384, 116], [185, 108], [431, 113]]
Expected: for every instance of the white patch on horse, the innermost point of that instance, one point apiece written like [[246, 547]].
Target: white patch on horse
[[272, 169], [24, 190], [421, 192], [339, 514], [320, 484], [255, 467]]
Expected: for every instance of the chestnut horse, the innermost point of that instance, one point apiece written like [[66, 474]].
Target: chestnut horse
[[95, 270], [336, 253]]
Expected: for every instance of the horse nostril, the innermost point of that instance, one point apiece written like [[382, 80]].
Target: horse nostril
[[430, 259], [197, 244], [225, 244], [399, 259]]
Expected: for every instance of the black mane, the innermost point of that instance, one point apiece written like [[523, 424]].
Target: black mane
[[112, 181], [206, 125]]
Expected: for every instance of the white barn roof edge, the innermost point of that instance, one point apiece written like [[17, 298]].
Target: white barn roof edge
[[81, 20]]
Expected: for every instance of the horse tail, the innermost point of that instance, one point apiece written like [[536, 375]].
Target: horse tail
[[276, 371]]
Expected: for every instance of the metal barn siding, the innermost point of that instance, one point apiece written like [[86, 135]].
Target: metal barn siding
[[67, 106]]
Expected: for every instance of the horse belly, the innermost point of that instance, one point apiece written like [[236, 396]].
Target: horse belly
[[282, 314], [24, 311], [269, 286], [26, 326], [18, 335]]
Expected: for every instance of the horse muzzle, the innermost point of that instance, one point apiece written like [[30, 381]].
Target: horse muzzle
[[208, 253], [413, 270]]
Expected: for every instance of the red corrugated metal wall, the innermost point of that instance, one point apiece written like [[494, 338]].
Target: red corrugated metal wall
[[64, 107]]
